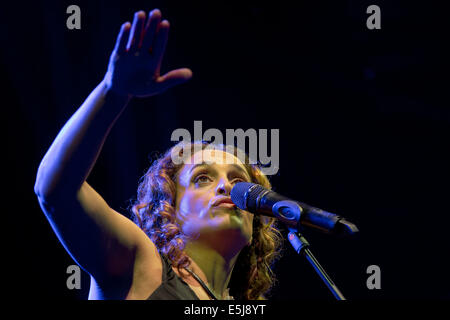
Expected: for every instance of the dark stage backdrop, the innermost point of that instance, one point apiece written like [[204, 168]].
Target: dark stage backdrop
[[363, 117]]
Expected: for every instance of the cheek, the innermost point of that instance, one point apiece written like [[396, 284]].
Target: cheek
[[191, 204], [191, 213]]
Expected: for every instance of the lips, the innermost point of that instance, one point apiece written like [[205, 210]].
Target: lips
[[224, 202], [226, 205]]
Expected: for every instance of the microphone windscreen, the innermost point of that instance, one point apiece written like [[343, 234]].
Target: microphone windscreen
[[245, 195], [238, 194]]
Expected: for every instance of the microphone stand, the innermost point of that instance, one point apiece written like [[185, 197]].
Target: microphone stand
[[289, 212]]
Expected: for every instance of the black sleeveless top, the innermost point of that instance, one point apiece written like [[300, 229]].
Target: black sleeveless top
[[172, 286]]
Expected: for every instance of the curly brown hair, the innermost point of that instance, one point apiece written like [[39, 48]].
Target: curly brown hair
[[154, 212]]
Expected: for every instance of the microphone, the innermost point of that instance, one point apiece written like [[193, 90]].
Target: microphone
[[256, 199]]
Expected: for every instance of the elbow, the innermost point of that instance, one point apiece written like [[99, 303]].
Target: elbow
[[38, 190], [50, 191], [51, 185], [45, 190], [38, 184], [44, 194], [43, 185]]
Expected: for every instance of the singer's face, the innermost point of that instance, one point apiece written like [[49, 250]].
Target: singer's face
[[201, 186]]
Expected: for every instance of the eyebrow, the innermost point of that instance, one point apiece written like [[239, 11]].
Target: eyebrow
[[204, 164]]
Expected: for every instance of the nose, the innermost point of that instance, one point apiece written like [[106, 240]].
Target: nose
[[223, 187]]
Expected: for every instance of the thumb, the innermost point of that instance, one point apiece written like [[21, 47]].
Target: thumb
[[173, 78]]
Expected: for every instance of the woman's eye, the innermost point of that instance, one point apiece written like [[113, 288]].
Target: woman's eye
[[201, 179], [238, 180], [205, 178]]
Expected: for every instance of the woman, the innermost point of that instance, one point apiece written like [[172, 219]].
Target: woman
[[189, 240]]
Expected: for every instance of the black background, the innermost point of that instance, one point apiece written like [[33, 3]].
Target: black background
[[363, 117]]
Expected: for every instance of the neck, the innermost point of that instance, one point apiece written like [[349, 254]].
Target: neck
[[212, 266]]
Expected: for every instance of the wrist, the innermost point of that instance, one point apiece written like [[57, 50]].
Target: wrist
[[112, 91], [111, 94]]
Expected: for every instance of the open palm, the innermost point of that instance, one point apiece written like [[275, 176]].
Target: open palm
[[134, 66]]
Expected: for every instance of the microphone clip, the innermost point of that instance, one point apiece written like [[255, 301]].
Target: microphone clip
[[289, 212]]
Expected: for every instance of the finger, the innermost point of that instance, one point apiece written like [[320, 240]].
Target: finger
[[137, 28], [151, 29], [160, 43], [122, 38], [173, 78]]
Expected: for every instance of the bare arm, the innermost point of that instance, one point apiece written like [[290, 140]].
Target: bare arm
[[101, 240], [70, 158]]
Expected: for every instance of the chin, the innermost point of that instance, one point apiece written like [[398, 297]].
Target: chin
[[227, 236], [229, 226]]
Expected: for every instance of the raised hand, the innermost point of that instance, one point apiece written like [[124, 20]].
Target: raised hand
[[134, 66]]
